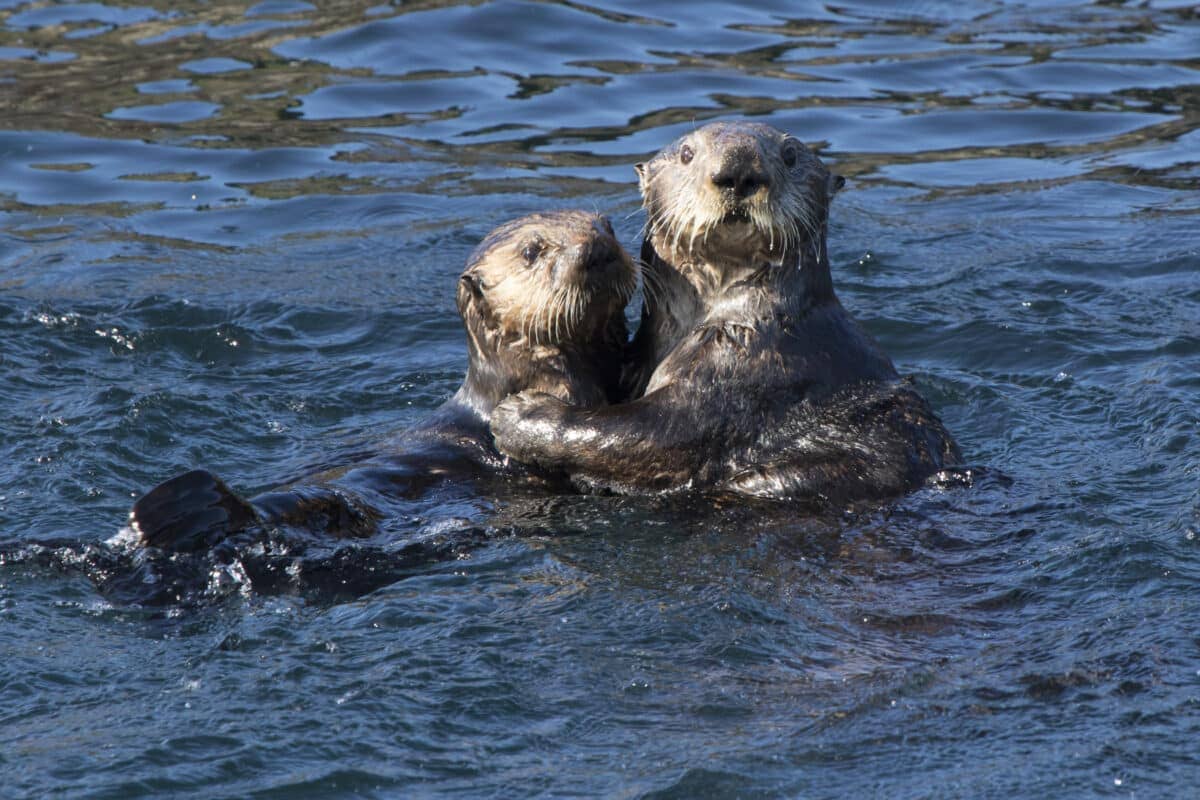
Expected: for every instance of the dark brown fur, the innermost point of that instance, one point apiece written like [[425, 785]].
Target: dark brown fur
[[747, 373], [542, 300]]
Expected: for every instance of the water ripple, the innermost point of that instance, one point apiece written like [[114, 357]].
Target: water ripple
[[229, 234]]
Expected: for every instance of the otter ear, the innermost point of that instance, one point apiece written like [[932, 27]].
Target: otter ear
[[470, 293], [472, 283], [643, 176], [836, 182]]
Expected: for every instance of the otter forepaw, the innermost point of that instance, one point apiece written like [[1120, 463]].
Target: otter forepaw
[[524, 425]]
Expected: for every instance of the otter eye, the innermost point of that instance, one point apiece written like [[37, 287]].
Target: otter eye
[[685, 155], [532, 251], [789, 155]]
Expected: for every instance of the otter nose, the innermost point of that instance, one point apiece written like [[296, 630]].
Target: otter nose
[[740, 173], [597, 252], [741, 183]]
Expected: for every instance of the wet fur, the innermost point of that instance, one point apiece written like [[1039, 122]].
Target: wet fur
[[746, 374], [542, 300]]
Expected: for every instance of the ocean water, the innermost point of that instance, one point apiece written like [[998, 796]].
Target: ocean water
[[229, 235]]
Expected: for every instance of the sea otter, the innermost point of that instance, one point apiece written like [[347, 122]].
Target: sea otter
[[746, 374], [542, 299]]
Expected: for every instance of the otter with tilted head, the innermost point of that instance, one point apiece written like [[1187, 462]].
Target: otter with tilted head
[[747, 374], [542, 299]]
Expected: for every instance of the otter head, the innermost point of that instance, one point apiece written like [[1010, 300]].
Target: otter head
[[542, 297], [735, 196]]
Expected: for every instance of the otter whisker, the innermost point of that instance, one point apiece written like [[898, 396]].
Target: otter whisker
[[628, 287], [529, 323], [557, 318], [556, 314], [648, 293], [536, 326], [547, 299], [651, 285], [570, 298], [580, 309], [533, 316], [552, 321]]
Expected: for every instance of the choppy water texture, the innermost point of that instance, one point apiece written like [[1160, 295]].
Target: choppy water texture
[[228, 238]]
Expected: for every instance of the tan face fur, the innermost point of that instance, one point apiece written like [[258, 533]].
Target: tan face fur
[[735, 193], [547, 279]]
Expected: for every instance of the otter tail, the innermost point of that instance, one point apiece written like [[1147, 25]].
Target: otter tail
[[189, 512]]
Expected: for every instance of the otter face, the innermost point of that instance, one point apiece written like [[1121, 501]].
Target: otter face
[[736, 191], [548, 279]]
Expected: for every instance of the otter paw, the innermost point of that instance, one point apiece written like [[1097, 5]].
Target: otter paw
[[522, 423]]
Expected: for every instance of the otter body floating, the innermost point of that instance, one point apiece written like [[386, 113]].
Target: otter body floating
[[542, 300], [747, 374]]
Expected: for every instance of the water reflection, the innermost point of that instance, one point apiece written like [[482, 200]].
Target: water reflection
[[306, 179], [873, 87]]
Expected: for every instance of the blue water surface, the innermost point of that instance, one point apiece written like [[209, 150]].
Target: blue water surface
[[229, 234]]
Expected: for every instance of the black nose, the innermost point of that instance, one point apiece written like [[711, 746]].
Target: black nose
[[740, 173], [742, 184]]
